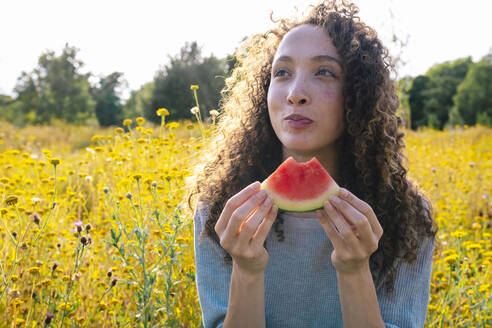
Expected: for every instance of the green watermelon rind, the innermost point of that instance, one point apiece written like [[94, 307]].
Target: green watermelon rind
[[299, 206]]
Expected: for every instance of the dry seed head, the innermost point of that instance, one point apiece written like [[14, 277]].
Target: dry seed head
[[11, 200]]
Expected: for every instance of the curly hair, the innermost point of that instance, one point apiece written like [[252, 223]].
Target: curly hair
[[245, 147]]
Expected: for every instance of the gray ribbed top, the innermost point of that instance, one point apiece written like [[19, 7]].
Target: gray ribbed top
[[301, 283]]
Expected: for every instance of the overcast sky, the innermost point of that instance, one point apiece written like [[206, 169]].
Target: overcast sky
[[136, 37]]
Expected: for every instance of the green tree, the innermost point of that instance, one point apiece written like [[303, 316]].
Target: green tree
[[403, 111], [138, 101], [474, 97], [56, 89], [172, 84], [443, 83], [8, 110], [108, 109], [416, 101]]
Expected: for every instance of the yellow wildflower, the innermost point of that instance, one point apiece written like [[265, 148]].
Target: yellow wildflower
[[451, 259], [64, 306], [33, 270], [162, 112], [172, 125], [55, 161], [194, 87], [43, 283], [459, 233], [140, 120], [119, 131], [127, 122]]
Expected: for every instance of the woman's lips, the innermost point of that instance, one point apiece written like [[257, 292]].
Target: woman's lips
[[299, 124]]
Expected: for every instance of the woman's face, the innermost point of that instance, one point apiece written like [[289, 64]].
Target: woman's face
[[305, 101]]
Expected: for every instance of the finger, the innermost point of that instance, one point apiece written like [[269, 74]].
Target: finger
[[344, 229], [264, 228], [250, 225], [363, 208], [357, 219], [233, 203], [330, 229], [243, 212]]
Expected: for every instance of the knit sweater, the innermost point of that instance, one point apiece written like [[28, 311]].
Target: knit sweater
[[301, 287]]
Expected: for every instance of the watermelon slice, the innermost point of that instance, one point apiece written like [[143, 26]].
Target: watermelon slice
[[300, 187]]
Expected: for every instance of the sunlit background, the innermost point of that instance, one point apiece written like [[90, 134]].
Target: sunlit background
[[135, 37], [94, 227]]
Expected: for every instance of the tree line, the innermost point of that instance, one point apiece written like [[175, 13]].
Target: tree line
[[57, 89], [448, 94], [451, 93]]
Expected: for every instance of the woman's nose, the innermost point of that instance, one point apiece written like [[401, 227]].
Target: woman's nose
[[297, 95]]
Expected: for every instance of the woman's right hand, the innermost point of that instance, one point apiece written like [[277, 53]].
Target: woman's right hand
[[243, 239]]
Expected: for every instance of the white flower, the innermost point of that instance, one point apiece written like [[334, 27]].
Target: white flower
[[194, 110], [36, 199]]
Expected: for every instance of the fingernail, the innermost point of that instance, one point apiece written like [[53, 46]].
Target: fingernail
[[335, 199], [343, 192], [328, 205]]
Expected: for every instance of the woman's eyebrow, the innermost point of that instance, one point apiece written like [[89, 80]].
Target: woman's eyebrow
[[322, 58], [319, 58]]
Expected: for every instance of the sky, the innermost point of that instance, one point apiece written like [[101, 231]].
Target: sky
[[136, 37]]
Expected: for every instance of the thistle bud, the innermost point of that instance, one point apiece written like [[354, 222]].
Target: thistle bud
[[36, 218], [48, 318], [114, 281]]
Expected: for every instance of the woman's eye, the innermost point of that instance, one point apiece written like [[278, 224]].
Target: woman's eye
[[325, 72], [280, 73]]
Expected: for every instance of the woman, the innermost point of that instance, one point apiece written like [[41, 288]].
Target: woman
[[315, 87]]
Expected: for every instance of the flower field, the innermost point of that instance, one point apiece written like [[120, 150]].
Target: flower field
[[95, 230]]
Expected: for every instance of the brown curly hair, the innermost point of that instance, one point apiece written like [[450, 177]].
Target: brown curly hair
[[245, 147]]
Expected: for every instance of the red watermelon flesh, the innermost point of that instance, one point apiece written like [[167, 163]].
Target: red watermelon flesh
[[300, 187]]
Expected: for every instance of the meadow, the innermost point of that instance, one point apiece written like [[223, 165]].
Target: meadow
[[95, 230]]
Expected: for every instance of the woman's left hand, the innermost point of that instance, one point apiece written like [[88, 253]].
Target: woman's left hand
[[352, 228]]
